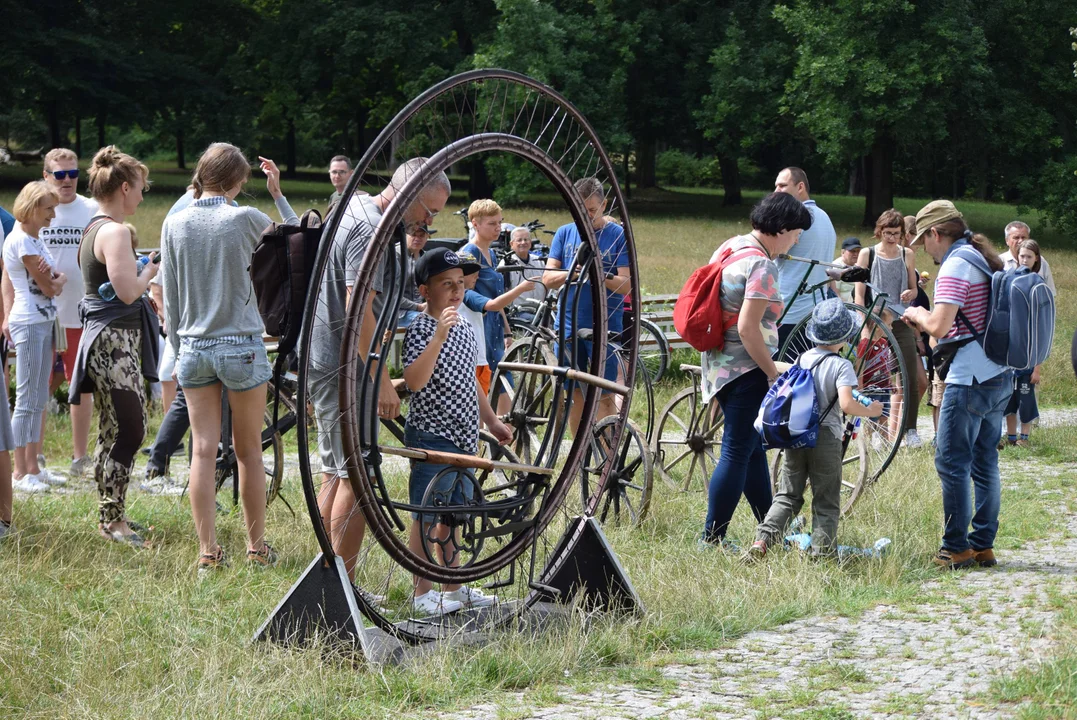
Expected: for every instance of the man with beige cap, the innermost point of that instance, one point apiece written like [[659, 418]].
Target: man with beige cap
[[977, 389]]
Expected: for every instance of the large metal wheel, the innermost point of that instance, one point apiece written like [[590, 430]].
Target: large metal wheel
[[688, 440], [506, 530], [871, 444]]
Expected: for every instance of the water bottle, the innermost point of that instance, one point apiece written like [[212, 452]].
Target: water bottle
[[108, 293], [861, 398]]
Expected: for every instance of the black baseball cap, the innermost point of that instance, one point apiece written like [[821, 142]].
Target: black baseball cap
[[851, 243], [438, 260]]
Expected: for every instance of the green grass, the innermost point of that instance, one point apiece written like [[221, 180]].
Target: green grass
[[91, 628]]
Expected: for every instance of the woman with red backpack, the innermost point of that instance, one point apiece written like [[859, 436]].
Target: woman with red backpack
[[739, 373]]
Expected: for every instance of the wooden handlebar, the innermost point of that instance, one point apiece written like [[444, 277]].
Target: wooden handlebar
[[569, 373], [464, 461]]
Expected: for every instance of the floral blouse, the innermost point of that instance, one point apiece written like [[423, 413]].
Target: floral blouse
[[749, 278]]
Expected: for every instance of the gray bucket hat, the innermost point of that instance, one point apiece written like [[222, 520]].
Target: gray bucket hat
[[831, 323]]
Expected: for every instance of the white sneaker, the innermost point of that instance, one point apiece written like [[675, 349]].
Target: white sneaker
[[877, 442], [51, 478], [470, 597], [81, 466], [434, 603], [912, 439], [30, 484]]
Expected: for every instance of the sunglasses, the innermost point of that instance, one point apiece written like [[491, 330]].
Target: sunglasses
[[61, 174]]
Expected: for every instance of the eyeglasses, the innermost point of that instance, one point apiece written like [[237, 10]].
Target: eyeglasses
[[61, 174], [429, 213], [892, 233]]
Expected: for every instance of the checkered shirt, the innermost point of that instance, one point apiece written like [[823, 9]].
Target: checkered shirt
[[448, 405]]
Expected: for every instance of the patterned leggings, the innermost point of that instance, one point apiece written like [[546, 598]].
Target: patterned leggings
[[115, 368]]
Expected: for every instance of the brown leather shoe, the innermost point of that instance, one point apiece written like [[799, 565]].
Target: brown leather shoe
[[984, 558], [954, 561]]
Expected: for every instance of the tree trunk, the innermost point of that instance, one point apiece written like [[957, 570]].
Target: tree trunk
[[628, 176], [78, 135], [982, 175], [181, 155], [479, 183], [730, 180], [289, 149], [101, 117], [879, 173], [645, 164], [53, 111]]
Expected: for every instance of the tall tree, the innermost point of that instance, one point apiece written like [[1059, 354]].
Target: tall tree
[[748, 71], [873, 77]]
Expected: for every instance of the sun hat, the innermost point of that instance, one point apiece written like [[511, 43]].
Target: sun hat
[[437, 261], [934, 213], [831, 323]]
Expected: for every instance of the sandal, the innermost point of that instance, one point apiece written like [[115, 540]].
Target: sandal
[[265, 558], [212, 562], [133, 539]]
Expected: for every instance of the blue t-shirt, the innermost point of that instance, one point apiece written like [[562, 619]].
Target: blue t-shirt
[[816, 243], [611, 242], [7, 221], [491, 284]]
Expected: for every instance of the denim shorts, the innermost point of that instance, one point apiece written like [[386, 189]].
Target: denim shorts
[[239, 362], [451, 489]]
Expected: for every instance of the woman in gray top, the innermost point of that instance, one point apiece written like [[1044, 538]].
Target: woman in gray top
[[893, 271], [216, 330]]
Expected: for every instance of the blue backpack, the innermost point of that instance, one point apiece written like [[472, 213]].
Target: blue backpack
[[1020, 315], [789, 416]]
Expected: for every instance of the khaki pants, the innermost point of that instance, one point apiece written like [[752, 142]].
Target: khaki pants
[[822, 465]]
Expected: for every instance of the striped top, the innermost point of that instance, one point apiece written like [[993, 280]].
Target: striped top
[[963, 284]]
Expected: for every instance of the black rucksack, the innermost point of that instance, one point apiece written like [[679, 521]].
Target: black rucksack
[[281, 268]]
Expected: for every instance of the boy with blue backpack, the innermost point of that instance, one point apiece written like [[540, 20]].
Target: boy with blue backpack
[[799, 414]]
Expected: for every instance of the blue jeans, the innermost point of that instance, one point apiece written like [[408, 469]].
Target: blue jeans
[[742, 466], [968, 434]]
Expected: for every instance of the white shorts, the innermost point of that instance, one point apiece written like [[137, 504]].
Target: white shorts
[[168, 362]]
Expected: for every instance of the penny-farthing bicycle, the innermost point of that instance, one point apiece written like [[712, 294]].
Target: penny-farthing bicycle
[[490, 523]]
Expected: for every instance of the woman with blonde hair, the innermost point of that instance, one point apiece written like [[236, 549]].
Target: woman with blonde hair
[[118, 346], [216, 331], [28, 325]]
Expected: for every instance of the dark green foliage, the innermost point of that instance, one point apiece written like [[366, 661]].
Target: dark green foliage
[[890, 97]]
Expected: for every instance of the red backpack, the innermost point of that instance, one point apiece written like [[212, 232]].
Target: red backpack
[[697, 314]]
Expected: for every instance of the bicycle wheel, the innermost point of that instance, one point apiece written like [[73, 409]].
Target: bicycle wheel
[[532, 412], [687, 440], [872, 442], [627, 494], [653, 349]]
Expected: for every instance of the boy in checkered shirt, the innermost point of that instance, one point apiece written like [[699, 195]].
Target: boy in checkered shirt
[[440, 353]]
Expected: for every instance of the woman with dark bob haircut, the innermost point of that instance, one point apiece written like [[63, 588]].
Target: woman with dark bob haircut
[[738, 375]]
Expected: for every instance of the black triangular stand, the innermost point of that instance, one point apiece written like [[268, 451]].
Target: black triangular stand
[[585, 563], [321, 603]]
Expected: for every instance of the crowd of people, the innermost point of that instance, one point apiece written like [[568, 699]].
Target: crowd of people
[[80, 304]]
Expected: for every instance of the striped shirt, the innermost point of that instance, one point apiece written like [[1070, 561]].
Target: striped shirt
[[963, 284]]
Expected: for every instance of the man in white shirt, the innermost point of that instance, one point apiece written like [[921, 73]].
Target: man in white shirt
[[1016, 233], [62, 238]]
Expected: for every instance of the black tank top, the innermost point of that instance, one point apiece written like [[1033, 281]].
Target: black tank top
[[94, 272]]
